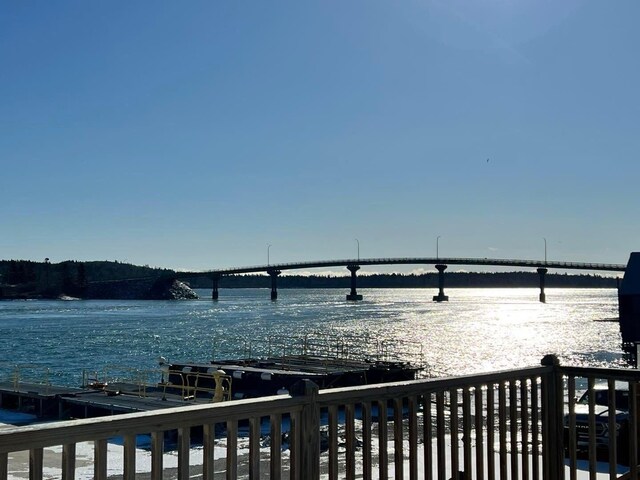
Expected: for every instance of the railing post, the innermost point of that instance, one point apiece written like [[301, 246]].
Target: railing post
[[309, 438], [552, 415]]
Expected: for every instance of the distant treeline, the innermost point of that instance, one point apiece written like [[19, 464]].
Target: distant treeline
[[427, 280], [28, 279]]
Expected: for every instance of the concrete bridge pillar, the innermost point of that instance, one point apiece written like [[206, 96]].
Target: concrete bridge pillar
[[542, 272], [274, 280], [441, 297], [354, 294], [214, 293]]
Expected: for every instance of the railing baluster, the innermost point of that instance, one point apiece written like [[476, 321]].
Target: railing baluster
[[208, 454], [633, 430], [479, 434], [350, 434], [184, 445], [453, 420], [613, 448], [35, 464], [524, 426], [502, 429], [129, 457], [427, 435], [440, 433], [333, 442], [466, 430], [413, 438], [69, 461], [383, 459], [398, 438], [100, 459], [254, 447], [4, 465], [592, 428], [491, 431], [535, 427], [571, 438], [275, 464], [232, 449], [294, 445], [366, 441], [513, 427]]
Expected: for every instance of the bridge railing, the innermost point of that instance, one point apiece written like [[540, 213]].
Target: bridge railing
[[418, 261], [507, 424]]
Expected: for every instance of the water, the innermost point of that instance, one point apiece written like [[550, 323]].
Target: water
[[478, 330]]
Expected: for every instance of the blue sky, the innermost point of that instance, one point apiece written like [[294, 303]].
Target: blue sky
[[193, 134]]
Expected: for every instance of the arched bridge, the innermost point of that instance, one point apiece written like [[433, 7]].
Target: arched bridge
[[440, 263]]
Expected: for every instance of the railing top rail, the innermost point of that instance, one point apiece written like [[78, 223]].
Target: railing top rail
[[416, 387], [73, 431], [624, 374], [413, 261]]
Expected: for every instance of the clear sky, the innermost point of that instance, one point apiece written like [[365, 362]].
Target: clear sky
[[193, 134]]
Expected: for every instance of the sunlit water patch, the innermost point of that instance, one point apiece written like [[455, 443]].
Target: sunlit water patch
[[477, 330]]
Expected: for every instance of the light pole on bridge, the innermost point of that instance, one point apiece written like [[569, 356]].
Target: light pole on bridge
[[268, 248], [358, 243], [438, 247], [545, 249]]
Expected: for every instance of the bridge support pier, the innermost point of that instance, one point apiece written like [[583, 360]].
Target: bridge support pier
[[214, 292], [274, 280], [353, 295], [542, 272], [441, 297]]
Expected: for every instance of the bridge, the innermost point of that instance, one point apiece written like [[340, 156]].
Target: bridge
[[440, 263]]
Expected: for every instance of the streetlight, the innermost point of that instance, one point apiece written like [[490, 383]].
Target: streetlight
[[268, 247], [438, 247], [358, 242], [545, 249]]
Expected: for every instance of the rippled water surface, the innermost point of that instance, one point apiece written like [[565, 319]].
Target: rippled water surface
[[477, 330]]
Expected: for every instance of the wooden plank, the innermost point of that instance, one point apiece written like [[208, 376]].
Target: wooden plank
[[157, 451], [275, 464], [184, 448], [398, 443], [294, 445], [100, 449], [35, 463], [69, 461], [232, 450], [129, 457]]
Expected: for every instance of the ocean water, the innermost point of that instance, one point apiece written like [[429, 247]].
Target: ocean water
[[478, 330]]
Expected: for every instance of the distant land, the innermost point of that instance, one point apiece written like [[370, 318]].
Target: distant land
[[113, 279]]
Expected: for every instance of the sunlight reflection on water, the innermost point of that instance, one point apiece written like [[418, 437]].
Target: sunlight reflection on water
[[477, 330]]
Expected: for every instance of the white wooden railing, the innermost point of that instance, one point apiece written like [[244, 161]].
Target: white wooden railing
[[500, 425]]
